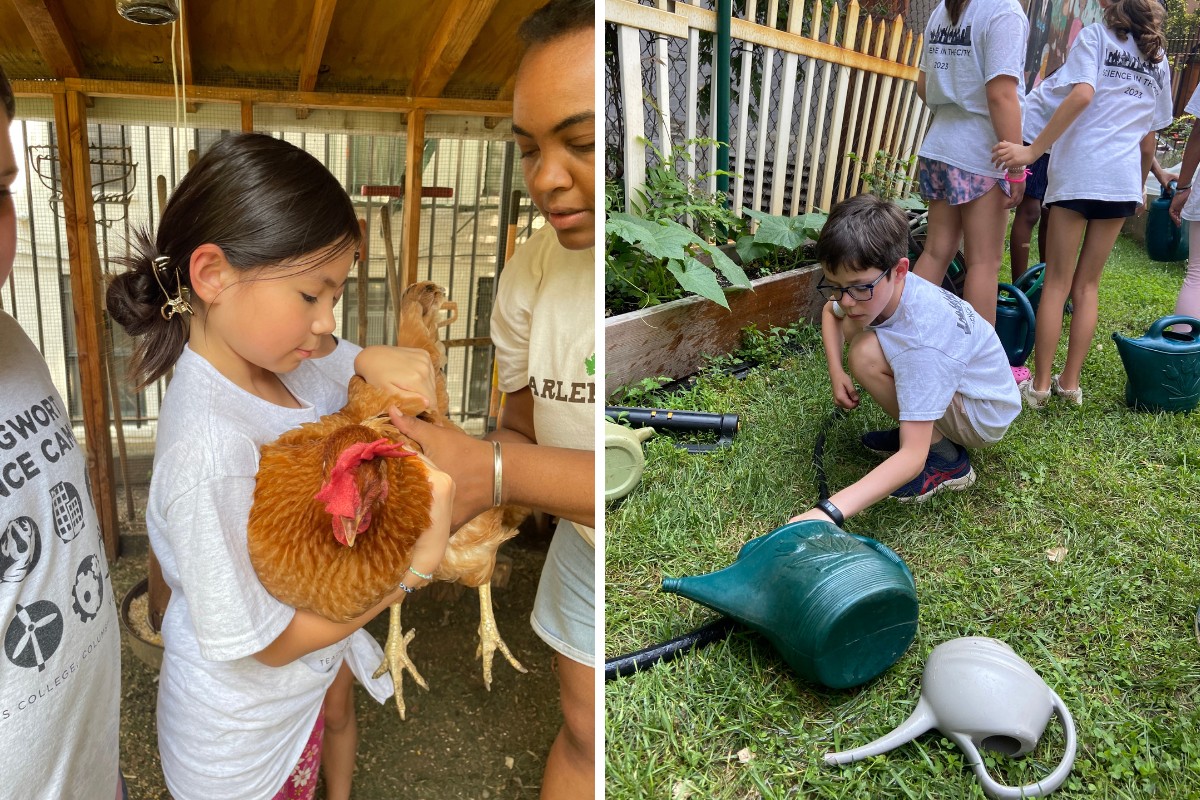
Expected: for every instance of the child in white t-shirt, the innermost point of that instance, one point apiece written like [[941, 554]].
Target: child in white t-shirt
[[1109, 97], [236, 293], [60, 668], [926, 357], [1186, 205], [972, 79]]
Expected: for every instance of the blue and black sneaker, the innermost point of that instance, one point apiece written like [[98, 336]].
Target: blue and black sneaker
[[939, 474], [882, 441]]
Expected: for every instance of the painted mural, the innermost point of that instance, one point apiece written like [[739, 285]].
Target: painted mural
[[1053, 26]]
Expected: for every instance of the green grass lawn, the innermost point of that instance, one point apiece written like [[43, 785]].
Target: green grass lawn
[[1109, 627]]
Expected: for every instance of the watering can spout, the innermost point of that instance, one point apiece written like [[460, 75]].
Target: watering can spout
[[920, 721], [721, 591]]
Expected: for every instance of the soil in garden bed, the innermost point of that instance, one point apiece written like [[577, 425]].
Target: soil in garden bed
[[459, 741]]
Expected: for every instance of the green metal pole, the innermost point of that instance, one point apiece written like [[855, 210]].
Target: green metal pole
[[724, 43]]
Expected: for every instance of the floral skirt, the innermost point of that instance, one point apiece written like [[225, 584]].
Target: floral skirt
[[302, 783], [938, 180]]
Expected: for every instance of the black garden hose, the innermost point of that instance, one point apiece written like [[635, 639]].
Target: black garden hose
[[721, 627]]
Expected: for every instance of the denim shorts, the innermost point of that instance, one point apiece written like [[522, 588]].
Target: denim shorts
[[564, 611], [938, 180], [1035, 182]]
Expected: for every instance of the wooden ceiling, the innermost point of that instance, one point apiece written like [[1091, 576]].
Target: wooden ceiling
[[455, 49]]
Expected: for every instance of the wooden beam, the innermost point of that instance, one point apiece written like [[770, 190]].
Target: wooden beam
[[410, 247], [505, 93], [314, 48], [461, 22], [47, 24], [269, 97], [70, 117]]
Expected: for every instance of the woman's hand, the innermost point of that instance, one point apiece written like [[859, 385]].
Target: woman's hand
[[1011, 156], [466, 459], [406, 372], [430, 546]]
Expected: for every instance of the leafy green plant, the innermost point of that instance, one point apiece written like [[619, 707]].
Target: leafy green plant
[[651, 256], [886, 177], [777, 238], [639, 393]]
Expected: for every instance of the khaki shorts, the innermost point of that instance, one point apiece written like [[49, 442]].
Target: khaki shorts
[[957, 427]]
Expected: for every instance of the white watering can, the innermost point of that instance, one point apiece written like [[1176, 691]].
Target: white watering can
[[982, 696]]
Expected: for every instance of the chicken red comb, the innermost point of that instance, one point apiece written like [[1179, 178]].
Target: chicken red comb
[[340, 494]]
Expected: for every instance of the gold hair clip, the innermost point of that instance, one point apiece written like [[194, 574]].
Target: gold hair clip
[[174, 305]]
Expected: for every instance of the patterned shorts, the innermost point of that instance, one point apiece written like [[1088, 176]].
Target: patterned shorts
[[302, 783], [941, 181]]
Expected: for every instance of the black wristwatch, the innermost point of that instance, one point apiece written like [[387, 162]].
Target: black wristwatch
[[832, 511]]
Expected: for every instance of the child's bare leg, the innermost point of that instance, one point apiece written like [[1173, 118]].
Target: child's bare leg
[[570, 767], [341, 736], [941, 241], [1097, 245], [870, 368], [1061, 253], [983, 223], [1027, 215]]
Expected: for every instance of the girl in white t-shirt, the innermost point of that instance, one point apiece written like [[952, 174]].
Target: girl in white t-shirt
[[1186, 205], [972, 79], [236, 294], [1109, 97]]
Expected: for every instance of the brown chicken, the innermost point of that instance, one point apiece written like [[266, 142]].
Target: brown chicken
[[471, 552], [338, 505]]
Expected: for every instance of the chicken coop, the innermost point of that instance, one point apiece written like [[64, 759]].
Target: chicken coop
[[407, 103]]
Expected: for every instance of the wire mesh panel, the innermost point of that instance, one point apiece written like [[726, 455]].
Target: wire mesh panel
[[789, 127], [470, 185]]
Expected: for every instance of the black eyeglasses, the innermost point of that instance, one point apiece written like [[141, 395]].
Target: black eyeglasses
[[859, 291]]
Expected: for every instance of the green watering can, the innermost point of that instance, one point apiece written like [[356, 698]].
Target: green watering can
[[1162, 367], [1016, 323], [839, 608]]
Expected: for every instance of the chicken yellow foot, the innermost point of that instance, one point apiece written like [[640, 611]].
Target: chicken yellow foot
[[489, 637], [396, 660]]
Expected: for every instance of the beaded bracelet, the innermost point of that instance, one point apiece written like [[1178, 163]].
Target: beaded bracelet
[[1024, 175], [413, 570], [407, 589]]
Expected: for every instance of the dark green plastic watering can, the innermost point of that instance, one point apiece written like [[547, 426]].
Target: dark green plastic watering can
[[1162, 367], [1165, 241], [1030, 282], [839, 608], [1016, 323]]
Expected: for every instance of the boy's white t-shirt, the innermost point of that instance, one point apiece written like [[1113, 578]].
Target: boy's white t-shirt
[[958, 61], [937, 345], [229, 726], [1191, 208], [1098, 157], [60, 668], [544, 331]]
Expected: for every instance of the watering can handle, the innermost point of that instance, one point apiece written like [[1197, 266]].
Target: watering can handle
[[999, 791], [887, 553], [1161, 324]]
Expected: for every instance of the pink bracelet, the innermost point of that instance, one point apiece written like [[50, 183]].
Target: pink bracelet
[[1025, 175]]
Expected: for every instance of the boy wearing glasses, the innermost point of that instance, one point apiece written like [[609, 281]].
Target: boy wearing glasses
[[927, 358]]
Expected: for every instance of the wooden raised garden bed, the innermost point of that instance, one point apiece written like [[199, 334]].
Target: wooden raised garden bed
[[672, 339]]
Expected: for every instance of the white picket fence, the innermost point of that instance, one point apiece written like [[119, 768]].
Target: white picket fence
[[858, 88]]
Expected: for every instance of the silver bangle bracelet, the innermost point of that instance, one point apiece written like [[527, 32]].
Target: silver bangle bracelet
[[497, 473]]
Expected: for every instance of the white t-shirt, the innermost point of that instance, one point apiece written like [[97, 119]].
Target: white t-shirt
[[544, 330], [60, 672], [958, 61], [1098, 157], [229, 726], [937, 345], [1191, 209], [1039, 107]]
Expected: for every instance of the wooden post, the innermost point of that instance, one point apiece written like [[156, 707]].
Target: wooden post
[[410, 247], [70, 117], [247, 117]]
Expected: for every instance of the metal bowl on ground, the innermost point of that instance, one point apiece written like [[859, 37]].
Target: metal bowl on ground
[[148, 652]]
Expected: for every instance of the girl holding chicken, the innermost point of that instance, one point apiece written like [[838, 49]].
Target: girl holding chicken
[[236, 294]]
